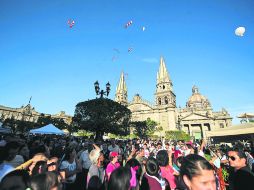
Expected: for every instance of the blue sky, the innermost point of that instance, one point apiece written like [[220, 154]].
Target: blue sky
[[40, 56]]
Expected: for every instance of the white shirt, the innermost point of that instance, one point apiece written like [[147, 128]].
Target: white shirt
[[85, 161], [70, 167]]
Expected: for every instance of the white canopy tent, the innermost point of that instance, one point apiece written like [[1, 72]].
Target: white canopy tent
[[48, 129]]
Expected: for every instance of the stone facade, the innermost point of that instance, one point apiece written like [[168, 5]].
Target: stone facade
[[28, 113], [196, 118]]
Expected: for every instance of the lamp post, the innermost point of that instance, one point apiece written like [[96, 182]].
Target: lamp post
[[101, 92], [179, 125]]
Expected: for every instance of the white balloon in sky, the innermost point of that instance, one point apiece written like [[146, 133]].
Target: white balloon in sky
[[143, 28], [240, 31]]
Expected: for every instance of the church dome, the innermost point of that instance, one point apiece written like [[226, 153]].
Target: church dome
[[197, 100], [136, 98]]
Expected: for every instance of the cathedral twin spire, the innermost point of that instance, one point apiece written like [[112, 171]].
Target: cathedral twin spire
[[164, 90]]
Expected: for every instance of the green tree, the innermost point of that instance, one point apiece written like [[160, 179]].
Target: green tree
[[18, 125], [143, 129], [102, 116], [177, 135], [45, 120], [10, 122]]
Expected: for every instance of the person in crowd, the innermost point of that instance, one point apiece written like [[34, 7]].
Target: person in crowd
[[136, 171], [41, 148], [112, 165], [24, 152], [242, 178], [120, 179], [12, 158], [140, 154], [94, 183], [46, 181], [189, 148], [53, 164], [177, 152], [71, 167], [197, 173], [36, 158], [95, 168], [159, 146], [4, 168], [146, 151], [16, 180], [113, 147], [104, 149], [39, 168], [85, 162], [167, 171], [151, 179]]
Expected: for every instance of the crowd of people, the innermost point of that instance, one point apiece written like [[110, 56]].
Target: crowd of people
[[48, 162]]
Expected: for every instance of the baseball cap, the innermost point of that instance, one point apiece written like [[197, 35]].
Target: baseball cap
[[113, 154]]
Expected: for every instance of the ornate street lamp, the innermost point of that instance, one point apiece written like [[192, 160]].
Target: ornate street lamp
[[102, 92], [179, 125]]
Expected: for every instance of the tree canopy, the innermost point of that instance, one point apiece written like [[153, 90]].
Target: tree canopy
[[177, 135], [145, 128], [102, 116]]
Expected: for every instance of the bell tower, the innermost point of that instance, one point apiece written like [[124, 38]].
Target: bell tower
[[121, 91], [164, 88]]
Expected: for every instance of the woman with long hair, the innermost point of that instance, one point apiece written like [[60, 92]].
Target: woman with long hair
[[197, 173], [120, 179], [71, 167]]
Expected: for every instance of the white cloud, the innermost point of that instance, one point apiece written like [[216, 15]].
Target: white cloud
[[150, 60]]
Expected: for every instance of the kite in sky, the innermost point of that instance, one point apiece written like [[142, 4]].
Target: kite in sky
[[130, 49], [114, 58], [116, 50], [128, 24], [71, 23], [240, 31]]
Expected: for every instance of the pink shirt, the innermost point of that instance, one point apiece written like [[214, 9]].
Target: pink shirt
[[168, 173], [111, 167]]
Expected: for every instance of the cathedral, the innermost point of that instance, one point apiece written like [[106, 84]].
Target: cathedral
[[195, 119]]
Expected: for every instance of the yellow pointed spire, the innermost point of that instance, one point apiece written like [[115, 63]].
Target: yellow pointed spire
[[162, 75], [121, 90], [121, 85]]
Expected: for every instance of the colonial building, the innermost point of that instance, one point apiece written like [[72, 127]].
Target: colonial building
[[196, 118], [28, 113]]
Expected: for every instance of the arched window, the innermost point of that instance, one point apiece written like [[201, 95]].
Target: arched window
[[159, 101], [166, 100]]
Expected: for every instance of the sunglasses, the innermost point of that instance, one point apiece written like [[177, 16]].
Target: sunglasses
[[232, 158]]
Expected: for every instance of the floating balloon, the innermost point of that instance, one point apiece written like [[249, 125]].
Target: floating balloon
[[143, 28], [128, 24], [240, 31], [71, 23]]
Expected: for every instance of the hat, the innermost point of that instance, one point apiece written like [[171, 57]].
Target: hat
[[113, 154], [190, 144]]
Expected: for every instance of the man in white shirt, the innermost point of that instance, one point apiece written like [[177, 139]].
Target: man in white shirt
[[85, 162], [113, 147]]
